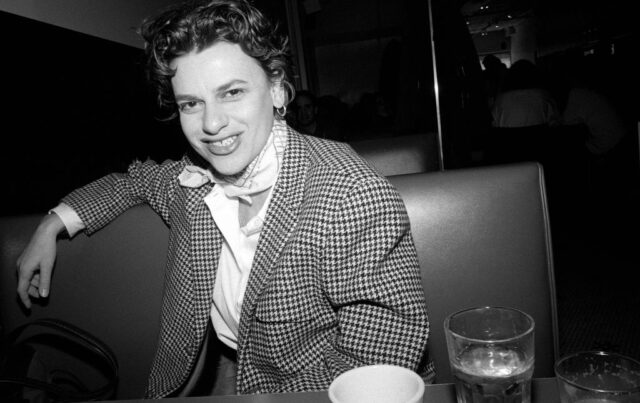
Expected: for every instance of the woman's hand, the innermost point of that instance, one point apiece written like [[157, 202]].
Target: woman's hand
[[35, 264]]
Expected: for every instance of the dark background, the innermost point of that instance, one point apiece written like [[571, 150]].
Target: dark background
[[74, 108]]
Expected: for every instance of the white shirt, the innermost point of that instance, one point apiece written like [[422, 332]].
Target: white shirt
[[236, 257], [525, 107]]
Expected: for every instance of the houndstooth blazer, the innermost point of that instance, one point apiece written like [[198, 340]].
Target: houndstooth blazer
[[334, 284]]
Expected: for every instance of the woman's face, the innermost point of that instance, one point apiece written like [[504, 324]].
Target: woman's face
[[225, 101]]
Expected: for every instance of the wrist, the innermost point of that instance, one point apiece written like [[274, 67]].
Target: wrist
[[51, 224]]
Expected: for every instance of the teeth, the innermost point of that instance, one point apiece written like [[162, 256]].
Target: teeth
[[225, 142]]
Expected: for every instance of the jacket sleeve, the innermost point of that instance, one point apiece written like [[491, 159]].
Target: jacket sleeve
[[372, 279], [101, 201]]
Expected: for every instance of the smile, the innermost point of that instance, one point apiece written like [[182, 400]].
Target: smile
[[225, 142], [224, 146]]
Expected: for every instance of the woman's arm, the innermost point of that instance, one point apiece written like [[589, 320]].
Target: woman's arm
[[36, 261], [372, 279], [96, 204], [100, 202]]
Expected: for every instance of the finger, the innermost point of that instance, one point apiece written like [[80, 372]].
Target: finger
[[23, 287], [35, 280], [44, 278], [33, 291]]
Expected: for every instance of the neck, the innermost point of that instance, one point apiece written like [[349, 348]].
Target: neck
[[246, 211]]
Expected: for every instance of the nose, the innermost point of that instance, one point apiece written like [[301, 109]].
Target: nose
[[213, 120]]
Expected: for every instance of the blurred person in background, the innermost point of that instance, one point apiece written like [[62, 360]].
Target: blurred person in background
[[524, 100], [493, 74], [309, 119]]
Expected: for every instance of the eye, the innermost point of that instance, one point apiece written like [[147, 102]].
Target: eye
[[233, 93], [189, 106]]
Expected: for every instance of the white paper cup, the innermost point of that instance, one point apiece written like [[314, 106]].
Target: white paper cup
[[377, 384]]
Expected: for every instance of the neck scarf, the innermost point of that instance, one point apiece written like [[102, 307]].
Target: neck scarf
[[258, 176]]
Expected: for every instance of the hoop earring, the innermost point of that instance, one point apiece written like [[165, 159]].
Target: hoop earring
[[282, 111]]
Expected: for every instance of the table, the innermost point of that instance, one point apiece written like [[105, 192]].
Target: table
[[544, 390]]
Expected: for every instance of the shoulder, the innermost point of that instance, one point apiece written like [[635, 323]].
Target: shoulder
[[335, 170], [336, 165], [330, 157]]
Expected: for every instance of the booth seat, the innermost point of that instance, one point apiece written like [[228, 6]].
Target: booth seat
[[401, 154], [482, 236], [483, 239], [109, 284]]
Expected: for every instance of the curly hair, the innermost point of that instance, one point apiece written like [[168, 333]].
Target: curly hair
[[196, 25]]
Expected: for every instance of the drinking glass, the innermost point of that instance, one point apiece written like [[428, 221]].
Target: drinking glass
[[491, 352], [598, 377]]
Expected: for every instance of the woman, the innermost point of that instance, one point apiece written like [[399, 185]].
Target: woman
[[291, 248]]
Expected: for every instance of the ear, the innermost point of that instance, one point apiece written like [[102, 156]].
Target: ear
[[277, 94]]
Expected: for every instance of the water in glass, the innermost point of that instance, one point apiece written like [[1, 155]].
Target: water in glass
[[485, 374]]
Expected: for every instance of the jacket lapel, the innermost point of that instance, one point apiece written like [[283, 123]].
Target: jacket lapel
[[281, 218], [194, 248], [206, 243]]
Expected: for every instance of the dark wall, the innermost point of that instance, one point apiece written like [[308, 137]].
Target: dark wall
[[74, 107]]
